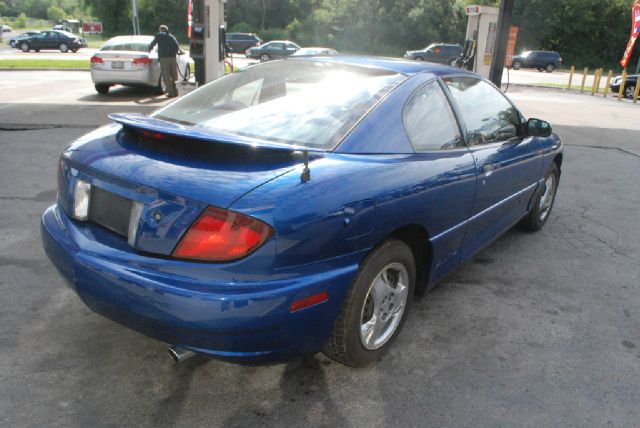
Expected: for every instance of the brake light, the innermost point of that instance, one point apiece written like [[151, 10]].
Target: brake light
[[96, 60], [142, 61], [221, 235]]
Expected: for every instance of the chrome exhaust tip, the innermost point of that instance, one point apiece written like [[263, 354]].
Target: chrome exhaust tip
[[179, 354]]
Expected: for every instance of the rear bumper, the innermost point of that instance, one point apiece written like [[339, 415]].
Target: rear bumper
[[135, 77], [244, 322]]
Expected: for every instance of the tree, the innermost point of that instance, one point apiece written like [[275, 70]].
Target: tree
[[54, 13], [114, 14]]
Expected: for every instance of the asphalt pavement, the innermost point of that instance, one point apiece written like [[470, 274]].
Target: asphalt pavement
[[537, 330]]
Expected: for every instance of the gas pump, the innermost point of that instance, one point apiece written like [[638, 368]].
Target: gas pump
[[481, 36], [207, 39]]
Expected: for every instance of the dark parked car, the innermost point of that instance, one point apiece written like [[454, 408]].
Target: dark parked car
[[240, 42], [296, 206], [542, 60], [59, 40], [274, 49], [629, 85], [14, 42], [442, 53]]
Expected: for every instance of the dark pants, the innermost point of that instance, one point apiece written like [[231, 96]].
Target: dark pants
[[169, 72]]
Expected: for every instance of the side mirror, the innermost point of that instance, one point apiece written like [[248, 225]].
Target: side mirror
[[537, 128]]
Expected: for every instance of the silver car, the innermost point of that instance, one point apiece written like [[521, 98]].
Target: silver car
[[126, 60]]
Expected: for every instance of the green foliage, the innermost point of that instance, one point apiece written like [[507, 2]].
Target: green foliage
[[585, 32], [115, 15], [172, 13], [54, 13], [21, 22]]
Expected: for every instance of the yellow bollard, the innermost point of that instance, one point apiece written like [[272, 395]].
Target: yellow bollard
[[600, 71], [635, 93], [595, 81], [573, 68], [606, 86], [584, 78], [623, 81]]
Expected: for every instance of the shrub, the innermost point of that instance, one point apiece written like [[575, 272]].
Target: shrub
[[21, 21]]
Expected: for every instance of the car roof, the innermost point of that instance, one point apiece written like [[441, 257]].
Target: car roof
[[396, 65]]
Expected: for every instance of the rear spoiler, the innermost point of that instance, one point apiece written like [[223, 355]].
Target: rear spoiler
[[161, 127]]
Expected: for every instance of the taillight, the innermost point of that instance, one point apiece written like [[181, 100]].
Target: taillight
[[96, 60], [221, 235], [142, 61]]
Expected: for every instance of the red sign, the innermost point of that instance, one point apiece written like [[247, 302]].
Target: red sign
[[635, 32], [473, 10], [92, 27], [511, 45]]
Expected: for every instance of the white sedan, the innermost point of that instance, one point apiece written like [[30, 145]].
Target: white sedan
[[126, 60]]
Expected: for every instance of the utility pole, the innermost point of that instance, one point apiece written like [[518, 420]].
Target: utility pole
[[134, 17], [500, 46]]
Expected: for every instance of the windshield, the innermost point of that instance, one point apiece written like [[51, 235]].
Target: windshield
[[297, 102]]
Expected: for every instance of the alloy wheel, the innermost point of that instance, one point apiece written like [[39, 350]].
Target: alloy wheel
[[384, 306], [547, 197]]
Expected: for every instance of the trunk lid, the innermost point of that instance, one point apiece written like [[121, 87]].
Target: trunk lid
[[184, 161]]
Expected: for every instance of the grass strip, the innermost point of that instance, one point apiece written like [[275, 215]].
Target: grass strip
[[44, 63]]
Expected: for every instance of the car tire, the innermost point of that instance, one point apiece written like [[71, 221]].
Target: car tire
[[102, 89], [516, 65], [549, 68], [368, 324], [24, 47], [64, 48], [74, 50], [543, 200], [37, 50], [629, 91], [265, 57], [419, 58], [12, 43]]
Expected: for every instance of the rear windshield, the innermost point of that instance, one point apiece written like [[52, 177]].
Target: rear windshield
[[68, 34], [137, 47], [297, 102]]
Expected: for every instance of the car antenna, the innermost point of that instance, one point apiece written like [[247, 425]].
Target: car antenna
[[306, 172]]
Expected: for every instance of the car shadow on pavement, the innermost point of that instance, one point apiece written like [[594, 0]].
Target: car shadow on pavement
[[304, 398], [119, 94]]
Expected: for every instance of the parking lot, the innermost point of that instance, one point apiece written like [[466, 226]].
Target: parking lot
[[537, 330]]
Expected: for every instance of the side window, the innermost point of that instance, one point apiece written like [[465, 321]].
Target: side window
[[429, 121], [276, 45], [488, 115]]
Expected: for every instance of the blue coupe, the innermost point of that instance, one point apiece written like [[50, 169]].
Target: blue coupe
[[297, 205]]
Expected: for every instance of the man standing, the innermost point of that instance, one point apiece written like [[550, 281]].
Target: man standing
[[167, 49]]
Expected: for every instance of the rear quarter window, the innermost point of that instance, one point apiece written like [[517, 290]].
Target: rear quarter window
[[429, 121]]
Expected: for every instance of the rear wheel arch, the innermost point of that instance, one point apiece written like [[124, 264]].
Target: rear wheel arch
[[416, 237]]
